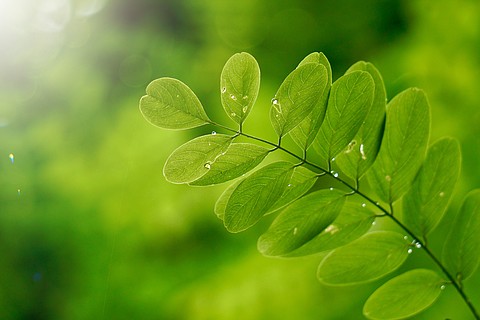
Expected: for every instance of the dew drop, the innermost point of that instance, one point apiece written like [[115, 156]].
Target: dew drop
[[335, 174], [410, 250], [333, 159], [245, 109], [245, 97], [214, 133], [178, 96], [295, 230], [233, 97], [11, 157], [207, 165], [388, 178], [350, 146], [441, 194], [362, 152], [442, 287], [233, 114], [418, 245], [364, 205], [289, 185], [18, 191], [274, 101], [331, 189], [405, 238], [224, 90], [374, 223], [276, 105], [377, 203]]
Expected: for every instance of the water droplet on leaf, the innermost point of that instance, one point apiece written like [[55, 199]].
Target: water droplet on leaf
[[224, 90], [11, 157], [362, 152], [350, 146], [233, 114], [442, 287], [295, 230], [214, 133], [418, 245], [245, 97], [364, 205], [441, 194], [410, 250], [245, 109], [207, 165], [233, 97]]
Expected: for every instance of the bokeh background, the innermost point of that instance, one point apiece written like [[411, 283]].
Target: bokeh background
[[89, 229]]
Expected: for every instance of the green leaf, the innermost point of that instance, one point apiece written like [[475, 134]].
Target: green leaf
[[297, 96], [353, 221], [427, 200], [301, 221], [301, 181], [404, 296], [255, 195], [361, 152], [348, 104], [403, 147], [194, 159], [461, 251], [237, 160], [171, 104], [367, 258], [222, 201], [306, 131], [239, 86]]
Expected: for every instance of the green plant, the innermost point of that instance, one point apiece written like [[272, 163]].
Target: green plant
[[348, 134]]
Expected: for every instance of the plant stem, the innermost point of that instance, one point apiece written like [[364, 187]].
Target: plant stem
[[386, 212]]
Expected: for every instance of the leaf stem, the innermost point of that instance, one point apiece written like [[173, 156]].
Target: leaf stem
[[355, 189]]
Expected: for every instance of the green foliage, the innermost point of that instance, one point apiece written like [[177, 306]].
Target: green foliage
[[349, 126]]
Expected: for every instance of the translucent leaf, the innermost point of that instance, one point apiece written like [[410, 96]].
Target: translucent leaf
[[367, 258], [361, 152], [255, 195], [461, 251], [353, 221], [237, 160], [171, 104], [305, 132], [404, 296], [427, 200], [297, 96], [348, 104], [239, 85], [222, 201], [301, 181], [403, 146], [194, 159], [301, 221]]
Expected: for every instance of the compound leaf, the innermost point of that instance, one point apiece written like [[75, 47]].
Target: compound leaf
[[365, 259], [403, 146], [348, 104], [353, 221], [171, 104], [405, 295], [426, 202], [306, 131], [361, 152], [254, 196], [194, 159], [301, 221], [461, 252], [237, 160], [297, 96], [239, 85]]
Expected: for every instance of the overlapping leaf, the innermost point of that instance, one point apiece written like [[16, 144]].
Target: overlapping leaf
[[404, 296], [194, 159], [255, 195], [361, 152], [305, 132], [365, 259], [353, 221], [239, 86], [348, 104], [461, 251], [301, 221], [403, 146], [238, 159], [171, 104], [297, 96], [425, 203]]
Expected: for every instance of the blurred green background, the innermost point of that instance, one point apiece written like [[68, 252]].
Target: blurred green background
[[89, 229]]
